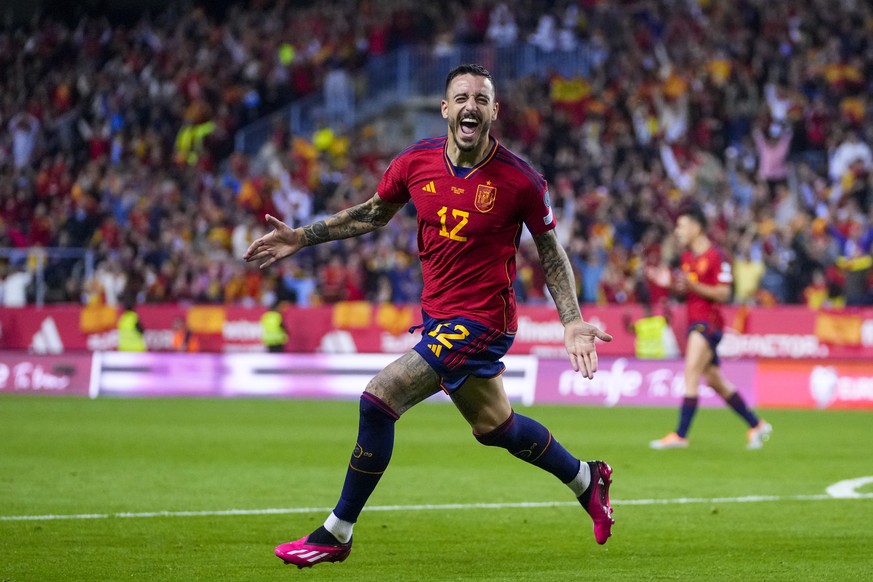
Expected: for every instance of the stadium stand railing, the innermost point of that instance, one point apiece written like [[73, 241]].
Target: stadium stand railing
[[48, 269]]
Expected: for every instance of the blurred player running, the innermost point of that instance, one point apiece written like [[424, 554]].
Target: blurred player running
[[705, 280], [472, 196]]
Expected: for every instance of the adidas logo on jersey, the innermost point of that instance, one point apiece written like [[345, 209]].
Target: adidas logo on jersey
[[429, 187], [436, 349]]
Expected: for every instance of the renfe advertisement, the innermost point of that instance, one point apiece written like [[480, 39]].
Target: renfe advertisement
[[37, 374], [630, 382], [829, 384]]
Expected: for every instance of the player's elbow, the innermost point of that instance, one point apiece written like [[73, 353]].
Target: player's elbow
[[722, 294]]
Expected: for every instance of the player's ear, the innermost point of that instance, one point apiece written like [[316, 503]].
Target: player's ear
[[494, 111], [444, 108]]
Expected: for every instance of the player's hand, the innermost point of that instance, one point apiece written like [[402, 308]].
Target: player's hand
[[680, 282], [281, 242], [579, 339]]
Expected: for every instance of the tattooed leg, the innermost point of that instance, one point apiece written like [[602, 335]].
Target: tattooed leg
[[405, 382], [394, 390]]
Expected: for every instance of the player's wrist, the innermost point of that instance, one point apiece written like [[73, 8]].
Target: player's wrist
[[570, 319]]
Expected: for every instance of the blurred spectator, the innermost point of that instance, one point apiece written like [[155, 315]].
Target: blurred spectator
[[779, 101], [356, 279], [109, 283], [183, 339], [545, 37], [823, 292], [130, 329], [502, 29], [591, 265], [24, 129], [332, 280], [15, 286], [653, 336], [274, 334], [772, 150], [856, 261], [851, 155], [748, 269], [815, 294]]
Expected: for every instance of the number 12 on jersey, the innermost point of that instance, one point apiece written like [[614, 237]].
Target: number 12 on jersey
[[462, 217]]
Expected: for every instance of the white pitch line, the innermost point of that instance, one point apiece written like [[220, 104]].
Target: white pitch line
[[446, 506]]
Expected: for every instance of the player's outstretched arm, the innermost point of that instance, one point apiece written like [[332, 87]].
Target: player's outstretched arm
[[579, 335], [283, 241]]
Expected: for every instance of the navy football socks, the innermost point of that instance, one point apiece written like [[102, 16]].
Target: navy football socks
[[686, 415], [739, 405], [370, 457], [530, 441]]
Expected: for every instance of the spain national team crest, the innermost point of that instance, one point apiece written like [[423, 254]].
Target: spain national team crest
[[485, 197]]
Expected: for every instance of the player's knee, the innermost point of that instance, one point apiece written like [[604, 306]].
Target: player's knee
[[374, 409], [506, 436], [523, 437]]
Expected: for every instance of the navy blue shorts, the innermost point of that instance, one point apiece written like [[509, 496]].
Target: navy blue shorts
[[713, 337], [458, 348]]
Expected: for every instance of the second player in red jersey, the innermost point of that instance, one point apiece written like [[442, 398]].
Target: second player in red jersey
[[710, 267], [705, 280], [469, 225]]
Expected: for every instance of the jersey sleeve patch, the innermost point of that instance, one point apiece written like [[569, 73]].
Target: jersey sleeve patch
[[725, 275]]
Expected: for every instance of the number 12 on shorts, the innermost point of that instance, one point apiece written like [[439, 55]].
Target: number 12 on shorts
[[460, 333]]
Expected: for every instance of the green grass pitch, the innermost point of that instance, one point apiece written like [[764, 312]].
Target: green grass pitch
[[145, 489]]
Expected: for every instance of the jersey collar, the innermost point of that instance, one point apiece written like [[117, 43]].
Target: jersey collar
[[451, 167]]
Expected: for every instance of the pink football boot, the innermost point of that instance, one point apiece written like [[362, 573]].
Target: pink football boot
[[595, 500], [303, 554]]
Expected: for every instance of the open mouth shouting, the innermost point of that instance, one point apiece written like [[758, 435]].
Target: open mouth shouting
[[468, 129]]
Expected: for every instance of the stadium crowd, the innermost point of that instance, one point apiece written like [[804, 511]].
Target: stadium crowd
[[119, 138]]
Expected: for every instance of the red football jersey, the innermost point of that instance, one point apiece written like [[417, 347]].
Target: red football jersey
[[709, 268], [469, 226]]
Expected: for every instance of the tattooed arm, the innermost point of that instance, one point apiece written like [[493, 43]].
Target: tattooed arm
[[579, 335], [559, 276], [284, 241]]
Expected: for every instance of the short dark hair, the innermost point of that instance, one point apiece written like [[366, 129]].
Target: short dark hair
[[468, 69], [695, 213]]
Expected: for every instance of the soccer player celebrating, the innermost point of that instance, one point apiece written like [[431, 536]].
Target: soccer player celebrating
[[472, 196], [705, 280]]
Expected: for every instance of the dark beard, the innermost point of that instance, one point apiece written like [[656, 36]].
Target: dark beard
[[465, 148], [462, 147]]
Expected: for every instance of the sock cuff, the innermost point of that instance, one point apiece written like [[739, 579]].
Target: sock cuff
[[493, 435], [378, 404]]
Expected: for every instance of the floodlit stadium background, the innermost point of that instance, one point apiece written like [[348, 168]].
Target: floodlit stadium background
[[140, 150]]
